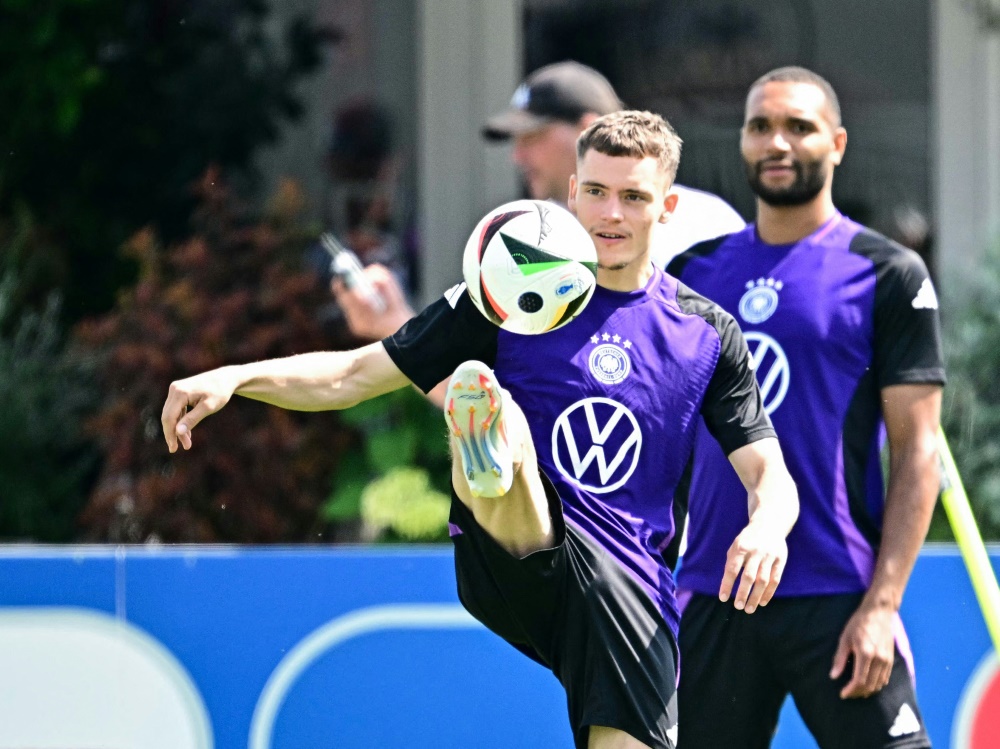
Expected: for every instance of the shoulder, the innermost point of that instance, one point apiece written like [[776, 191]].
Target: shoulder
[[709, 203], [896, 268], [704, 249], [884, 252], [691, 303], [698, 216]]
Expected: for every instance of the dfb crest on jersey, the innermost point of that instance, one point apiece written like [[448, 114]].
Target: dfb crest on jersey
[[760, 300], [610, 364], [609, 361]]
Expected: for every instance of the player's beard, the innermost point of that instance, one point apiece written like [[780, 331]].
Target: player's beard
[[810, 177]]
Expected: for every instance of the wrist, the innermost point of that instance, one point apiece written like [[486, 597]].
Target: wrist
[[772, 520], [237, 376], [882, 599]]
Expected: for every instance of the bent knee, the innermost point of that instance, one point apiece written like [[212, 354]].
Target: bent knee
[[602, 737]]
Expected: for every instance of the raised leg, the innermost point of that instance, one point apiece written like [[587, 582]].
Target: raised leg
[[494, 467]]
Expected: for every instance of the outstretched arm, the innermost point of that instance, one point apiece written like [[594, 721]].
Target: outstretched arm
[[773, 504], [912, 414], [364, 321], [320, 381]]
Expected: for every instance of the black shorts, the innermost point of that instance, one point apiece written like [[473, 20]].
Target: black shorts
[[737, 668], [576, 611]]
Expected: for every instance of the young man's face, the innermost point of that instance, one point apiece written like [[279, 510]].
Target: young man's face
[[546, 158], [619, 199], [790, 143]]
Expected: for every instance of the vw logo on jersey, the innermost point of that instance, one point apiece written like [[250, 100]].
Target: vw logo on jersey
[[760, 300], [610, 364], [773, 371], [596, 444]]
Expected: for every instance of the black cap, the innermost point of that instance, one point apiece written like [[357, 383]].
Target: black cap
[[564, 91]]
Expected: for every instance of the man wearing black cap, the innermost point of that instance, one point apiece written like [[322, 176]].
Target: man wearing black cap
[[549, 111]]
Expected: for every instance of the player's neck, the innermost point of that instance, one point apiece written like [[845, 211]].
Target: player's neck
[[632, 277], [788, 224]]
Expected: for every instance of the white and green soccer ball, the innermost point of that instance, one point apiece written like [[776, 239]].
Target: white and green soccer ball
[[530, 266]]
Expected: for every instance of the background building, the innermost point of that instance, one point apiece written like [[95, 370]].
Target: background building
[[919, 83]]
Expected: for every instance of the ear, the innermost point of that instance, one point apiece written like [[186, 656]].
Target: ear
[[669, 206], [839, 145], [571, 199]]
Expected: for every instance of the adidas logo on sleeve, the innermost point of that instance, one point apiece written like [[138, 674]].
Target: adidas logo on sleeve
[[925, 298], [453, 294]]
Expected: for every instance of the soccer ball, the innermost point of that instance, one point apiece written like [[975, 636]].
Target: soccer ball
[[530, 267]]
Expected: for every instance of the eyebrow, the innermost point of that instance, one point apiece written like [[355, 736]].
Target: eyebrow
[[630, 190], [792, 120], [802, 121]]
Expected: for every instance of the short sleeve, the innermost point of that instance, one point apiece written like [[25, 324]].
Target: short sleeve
[[450, 331], [907, 324], [733, 408]]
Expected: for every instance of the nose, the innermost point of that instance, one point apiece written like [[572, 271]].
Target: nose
[[612, 209], [779, 142]]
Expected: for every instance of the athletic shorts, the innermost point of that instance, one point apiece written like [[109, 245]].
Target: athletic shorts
[[737, 668], [575, 610]]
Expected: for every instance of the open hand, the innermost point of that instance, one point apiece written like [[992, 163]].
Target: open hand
[[761, 553]]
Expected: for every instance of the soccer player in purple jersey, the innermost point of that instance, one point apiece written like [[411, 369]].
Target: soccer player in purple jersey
[[844, 329], [563, 479]]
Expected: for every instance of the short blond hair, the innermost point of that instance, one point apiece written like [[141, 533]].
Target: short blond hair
[[636, 134]]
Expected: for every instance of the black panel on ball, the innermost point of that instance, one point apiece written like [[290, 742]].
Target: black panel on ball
[[529, 301]]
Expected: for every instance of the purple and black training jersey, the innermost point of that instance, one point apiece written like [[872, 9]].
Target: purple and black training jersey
[[830, 320], [612, 400]]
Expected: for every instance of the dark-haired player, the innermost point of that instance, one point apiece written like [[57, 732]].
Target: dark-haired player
[[844, 329], [567, 447]]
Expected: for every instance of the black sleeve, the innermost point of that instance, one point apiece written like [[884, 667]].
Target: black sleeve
[[733, 408], [428, 348], [907, 332], [907, 325], [679, 262]]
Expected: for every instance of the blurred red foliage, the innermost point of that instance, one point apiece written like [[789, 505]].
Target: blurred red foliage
[[237, 290]]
